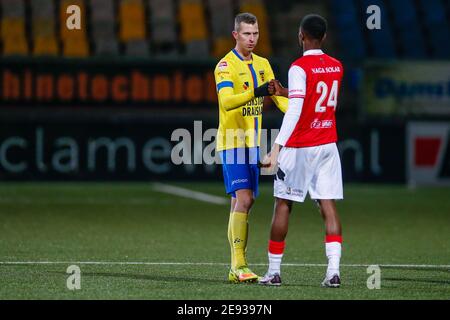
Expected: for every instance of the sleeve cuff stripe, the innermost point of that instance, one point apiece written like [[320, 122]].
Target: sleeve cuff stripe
[[225, 84]]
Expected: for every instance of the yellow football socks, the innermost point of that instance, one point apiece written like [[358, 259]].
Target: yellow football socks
[[230, 238], [239, 228]]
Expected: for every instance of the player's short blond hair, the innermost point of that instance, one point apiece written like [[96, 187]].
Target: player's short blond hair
[[244, 17]]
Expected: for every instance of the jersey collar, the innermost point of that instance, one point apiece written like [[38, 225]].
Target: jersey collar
[[241, 58], [312, 52]]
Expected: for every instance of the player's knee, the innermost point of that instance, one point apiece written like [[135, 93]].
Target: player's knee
[[283, 204], [245, 203]]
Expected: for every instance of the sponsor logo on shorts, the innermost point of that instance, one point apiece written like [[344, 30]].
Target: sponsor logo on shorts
[[239, 181], [294, 192]]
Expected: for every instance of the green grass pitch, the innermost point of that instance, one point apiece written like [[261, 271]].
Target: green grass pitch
[[184, 243]]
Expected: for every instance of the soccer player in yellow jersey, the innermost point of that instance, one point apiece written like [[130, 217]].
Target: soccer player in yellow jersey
[[242, 80]]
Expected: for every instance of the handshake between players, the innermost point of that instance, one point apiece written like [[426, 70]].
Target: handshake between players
[[276, 88], [269, 162]]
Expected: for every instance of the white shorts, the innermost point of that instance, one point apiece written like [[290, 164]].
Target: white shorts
[[316, 170]]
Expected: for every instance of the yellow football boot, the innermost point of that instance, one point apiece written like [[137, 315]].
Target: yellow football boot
[[242, 275]]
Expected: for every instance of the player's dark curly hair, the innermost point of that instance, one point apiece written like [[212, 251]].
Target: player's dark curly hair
[[314, 25], [245, 18]]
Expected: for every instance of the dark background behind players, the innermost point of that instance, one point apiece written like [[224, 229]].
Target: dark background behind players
[[134, 59]]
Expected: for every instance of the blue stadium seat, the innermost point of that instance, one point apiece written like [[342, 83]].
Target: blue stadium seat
[[437, 27], [351, 48], [407, 29], [342, 6], [381, 41], [349, 33]]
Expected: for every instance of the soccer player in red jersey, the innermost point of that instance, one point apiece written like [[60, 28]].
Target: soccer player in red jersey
[[305, 149]]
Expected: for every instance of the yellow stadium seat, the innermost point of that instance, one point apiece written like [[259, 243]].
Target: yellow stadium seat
[[132, 9], [132, 21], [43, 28], [192, 20], [12, 27], [258, 10], [264, 47], [222, 46], [64, 31], [15, 46], [75, 47], [45, 46]]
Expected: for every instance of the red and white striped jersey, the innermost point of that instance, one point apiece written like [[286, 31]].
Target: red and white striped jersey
[[314, 82]]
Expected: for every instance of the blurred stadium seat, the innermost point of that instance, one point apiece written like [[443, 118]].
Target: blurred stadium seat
[[349, 34], [194, 34], [64, 31], [133, 28], [102, 10], [137, 48], [106, 47], [381, 41], [75, 43], [43, 28], [132, 20], [162, 25], [407, 28], [103, 31], [222, 16], [13, 8], [13, 26], [76, 47], [15, 46], [437, 28], [258, 8], [45, 46], [43, 9], [222, 45], [203, 28]]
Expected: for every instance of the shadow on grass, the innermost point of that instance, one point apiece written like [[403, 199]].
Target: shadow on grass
[[430, 269], [178, 279], [149, 277], [417, 280]]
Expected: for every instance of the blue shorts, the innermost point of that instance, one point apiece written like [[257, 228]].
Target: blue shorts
[[240, 170]]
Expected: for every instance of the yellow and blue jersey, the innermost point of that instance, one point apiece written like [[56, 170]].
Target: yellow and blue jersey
[[240, 113]]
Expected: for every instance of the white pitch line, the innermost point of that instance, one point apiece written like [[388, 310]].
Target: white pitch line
[[190, 194], [425, 266]]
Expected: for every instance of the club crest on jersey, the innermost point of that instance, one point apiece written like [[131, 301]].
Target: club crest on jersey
[[246, 85], [261, 74]]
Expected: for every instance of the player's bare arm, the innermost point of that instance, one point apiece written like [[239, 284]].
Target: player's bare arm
[[270, 159]]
